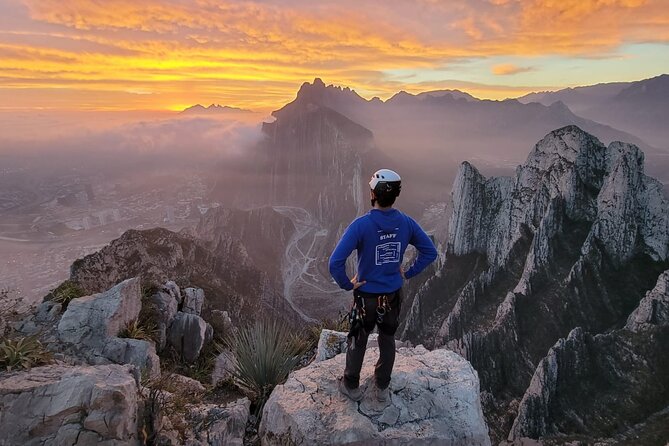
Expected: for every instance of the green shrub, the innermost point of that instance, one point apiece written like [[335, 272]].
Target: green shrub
[[23, 353], [265, 352], [65, 292]]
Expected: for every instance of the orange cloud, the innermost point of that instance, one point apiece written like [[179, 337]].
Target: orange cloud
[[256, 54], [507, 69]]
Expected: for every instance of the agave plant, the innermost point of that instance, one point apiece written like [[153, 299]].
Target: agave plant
[[265, 352], [22, 353]]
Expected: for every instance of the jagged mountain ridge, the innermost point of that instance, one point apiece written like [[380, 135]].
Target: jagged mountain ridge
[[605, 385], [212, 109], [575, 239]]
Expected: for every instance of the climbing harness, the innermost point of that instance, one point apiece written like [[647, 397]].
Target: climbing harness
[[356, 321], [356, 316], [382, 307]]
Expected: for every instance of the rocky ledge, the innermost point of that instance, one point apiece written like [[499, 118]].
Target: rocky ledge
[[434, 400], [61, 404]]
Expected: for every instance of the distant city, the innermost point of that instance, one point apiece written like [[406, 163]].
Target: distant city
[[45, 225]]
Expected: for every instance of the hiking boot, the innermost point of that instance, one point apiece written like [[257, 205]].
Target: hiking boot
[[354, 394], [380, 395]]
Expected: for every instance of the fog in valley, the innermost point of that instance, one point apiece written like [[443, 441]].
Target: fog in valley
[[69, 184]]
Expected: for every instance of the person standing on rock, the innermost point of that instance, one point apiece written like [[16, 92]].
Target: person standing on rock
[[380, 237]]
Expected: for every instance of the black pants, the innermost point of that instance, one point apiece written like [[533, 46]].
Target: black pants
[[387, 329]]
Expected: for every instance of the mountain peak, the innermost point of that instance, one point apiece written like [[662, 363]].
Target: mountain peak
[[321, 95], [213, 108]]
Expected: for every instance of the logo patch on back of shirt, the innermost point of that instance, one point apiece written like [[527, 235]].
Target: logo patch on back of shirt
[[388, 253]]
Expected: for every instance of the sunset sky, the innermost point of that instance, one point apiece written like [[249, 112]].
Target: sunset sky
[[169, 54]]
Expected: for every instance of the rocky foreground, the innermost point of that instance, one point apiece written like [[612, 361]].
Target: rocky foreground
[[104, 387], [434, 401]]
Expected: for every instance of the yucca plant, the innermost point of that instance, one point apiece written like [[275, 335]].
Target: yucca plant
[[265, 352], [65, 292], [23, 353], [137, 329]]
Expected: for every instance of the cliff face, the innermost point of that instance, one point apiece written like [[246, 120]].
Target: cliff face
[[263, 232], [318, 158], [574, 239], [601, 386]]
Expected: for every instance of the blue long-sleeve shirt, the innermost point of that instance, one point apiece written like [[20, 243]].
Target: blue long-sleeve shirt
[[380, 238]]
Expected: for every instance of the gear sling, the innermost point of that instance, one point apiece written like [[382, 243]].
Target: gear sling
[[371, 310]]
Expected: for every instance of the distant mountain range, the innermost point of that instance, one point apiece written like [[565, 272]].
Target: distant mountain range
[[640, 108], [213, 109]]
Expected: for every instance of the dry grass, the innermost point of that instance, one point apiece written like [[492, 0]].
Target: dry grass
[[138, 329]]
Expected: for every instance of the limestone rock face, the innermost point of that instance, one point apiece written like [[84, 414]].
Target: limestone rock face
[[222, 264], [88, 329], [216, 425], [173, 289], [137, 352], [188, 334], [434, 400], [164, 306], [193, 300], [596, 386], [223, 367], [576, 238], [91, 319], [330, 344], [653, 310], [60, 404], [596, 183]]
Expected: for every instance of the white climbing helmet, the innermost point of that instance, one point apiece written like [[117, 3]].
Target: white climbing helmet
[[385, 177]]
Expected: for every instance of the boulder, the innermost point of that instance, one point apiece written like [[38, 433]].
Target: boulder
[[137, 352], [173, 289], [193, 300], [90, 320], [331, 343], [163, 306], [188, 334], [434, 400], [48, 311], [221, 322], [223, 367], [214, 425], [59, 404], [186, 385]]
